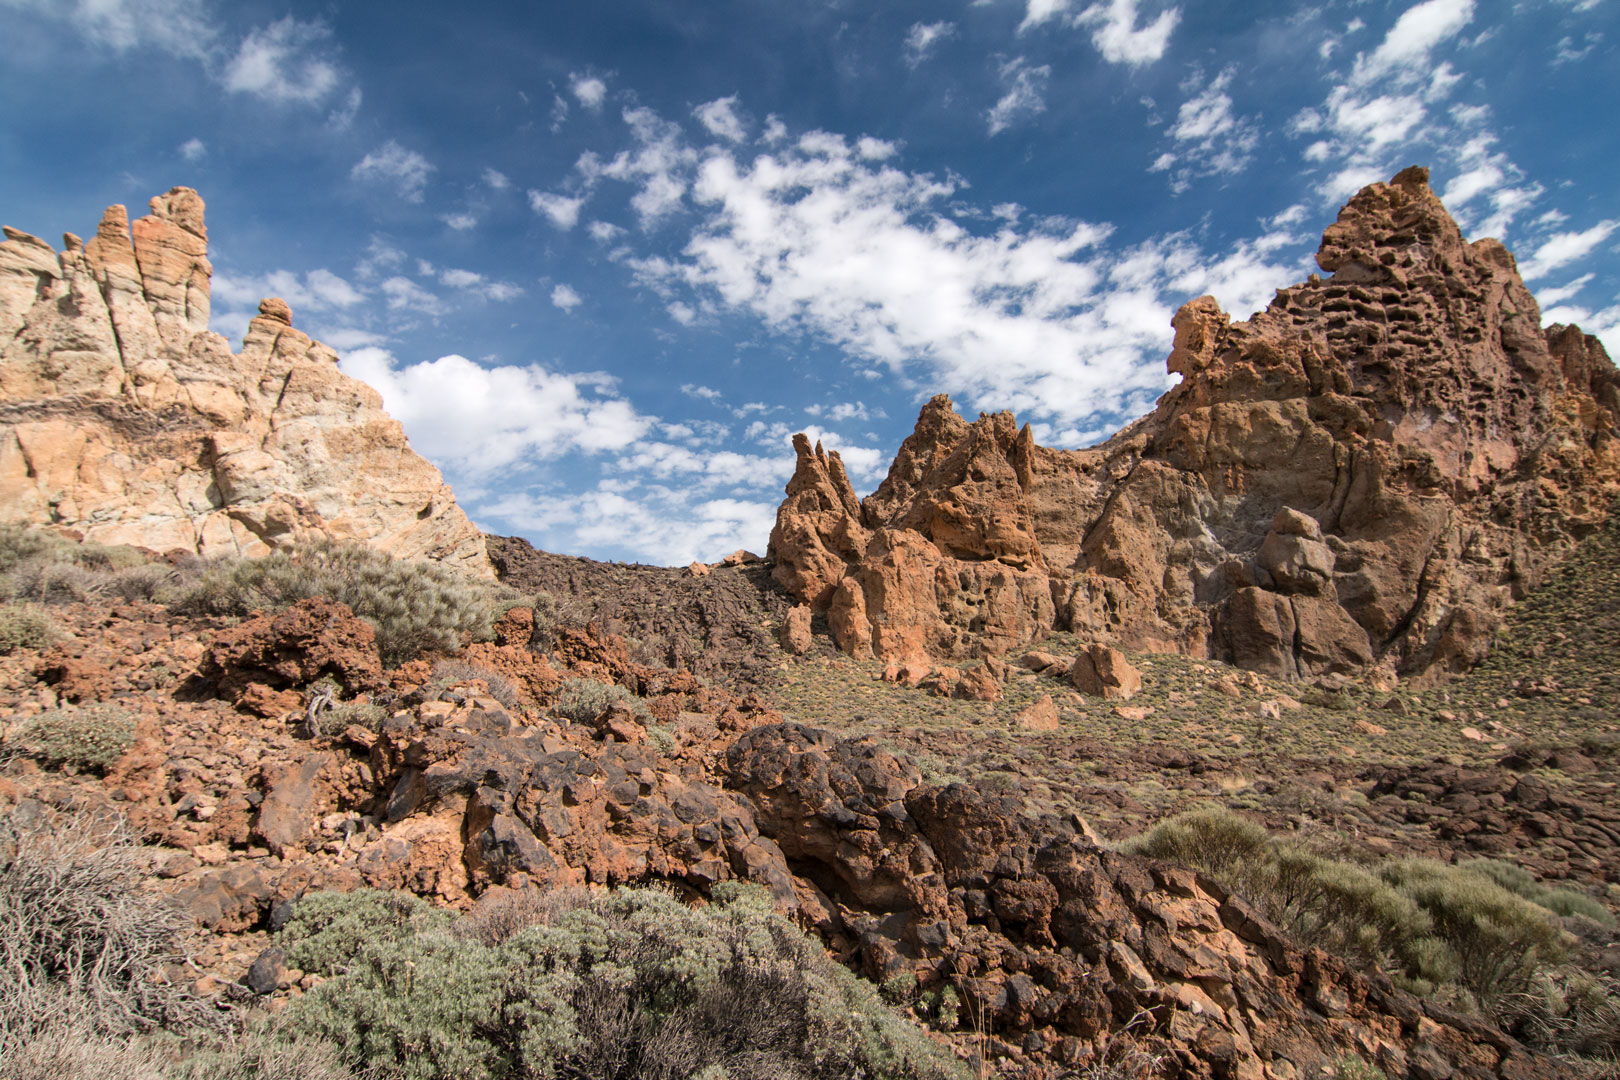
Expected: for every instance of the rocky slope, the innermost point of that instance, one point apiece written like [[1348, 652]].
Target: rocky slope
[[123, 419], [1053, 944], [714, 621], [1362, 476]]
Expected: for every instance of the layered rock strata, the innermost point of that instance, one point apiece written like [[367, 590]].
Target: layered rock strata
[[1363, 475], [123, 419]]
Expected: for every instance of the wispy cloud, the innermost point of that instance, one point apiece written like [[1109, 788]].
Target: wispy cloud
[[1025, 96], [923, 38], [284, 62], [1117, 27], [406, 170], [564, 297], [561, 210]]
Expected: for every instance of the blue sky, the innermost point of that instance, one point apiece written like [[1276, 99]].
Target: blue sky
[[602, 260]]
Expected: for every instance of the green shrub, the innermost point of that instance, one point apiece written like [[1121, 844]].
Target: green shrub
[[415, 607], [1431, 923], [623, 984], [1499, 939], [48, 569], [1519, 881], [1567, 1011], [339, 716], [583, 700], [87, 737], [26, 626], [327, 930]]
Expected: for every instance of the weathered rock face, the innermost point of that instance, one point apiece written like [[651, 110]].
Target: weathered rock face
[[1364, 474], [124, 419]]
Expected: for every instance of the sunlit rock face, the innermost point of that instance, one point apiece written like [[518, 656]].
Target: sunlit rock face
[[1362, 476], [123, 419]]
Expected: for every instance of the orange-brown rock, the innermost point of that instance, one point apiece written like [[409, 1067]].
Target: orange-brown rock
[[310, 640], [795, 633], [125, 420], [1366, 473], [1101, 671]]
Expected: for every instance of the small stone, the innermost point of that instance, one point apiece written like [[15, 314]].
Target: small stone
[[267, 972]]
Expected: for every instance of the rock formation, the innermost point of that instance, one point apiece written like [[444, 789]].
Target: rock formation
[[123, 419], [1363, 475]]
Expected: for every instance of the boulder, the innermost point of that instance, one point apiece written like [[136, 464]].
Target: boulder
[[1101, 671]]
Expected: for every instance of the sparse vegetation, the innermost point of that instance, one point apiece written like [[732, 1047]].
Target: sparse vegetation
[[1433, 923], [583, 700], [84, 737], [447, 673], [415, 607], [84, 943], [616, 985], [26, 626], [42, 568]]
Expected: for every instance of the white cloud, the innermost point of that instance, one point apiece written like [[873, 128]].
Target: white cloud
[[182, 28], [1551, 297], [472, 282], [1407, 47], [461, 221], [657, 165], [1564, 248], [923, 38], [604, 231], [1040, 317], [341, 117], [285, 62], [1115, 34], [318, 290], [561, 209], [1025, 96], [381, 256], [1210, 138], [406, 295], [874, 149], [682, 313], [564, 296], [720, 118], [482, 420], [344, 338], [658, 524], [496, 179], [706, 393], [193, 150], [391, 163], [461, 279], [588, 90]]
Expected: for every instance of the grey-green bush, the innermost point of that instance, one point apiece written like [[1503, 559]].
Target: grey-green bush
[[86, 737], [583, 700], [84, 939], [1431, 923], [611, 985], [415, 607], [26, 626]]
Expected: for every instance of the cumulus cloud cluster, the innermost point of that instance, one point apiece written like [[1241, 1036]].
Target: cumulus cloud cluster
[[817, 237]]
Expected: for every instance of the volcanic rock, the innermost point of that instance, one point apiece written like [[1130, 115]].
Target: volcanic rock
[[1368, 472], [1104, 672], [123, 419]]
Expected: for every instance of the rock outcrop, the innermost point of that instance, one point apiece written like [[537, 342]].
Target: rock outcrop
[[1365, 474], [123, 419]]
